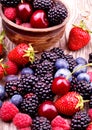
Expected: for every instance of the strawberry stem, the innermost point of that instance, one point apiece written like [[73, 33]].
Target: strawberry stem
[[2, 36]]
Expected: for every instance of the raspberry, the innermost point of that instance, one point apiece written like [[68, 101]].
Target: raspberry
[[57, 128], [90, 113], [10, 13], [27, 128], [8, 111], [22, 120], [58, 121], [89, 127]]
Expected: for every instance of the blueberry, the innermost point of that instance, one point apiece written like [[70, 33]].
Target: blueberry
[[1, 103], [2, 92], [27, 70], [16, 99], [80, 69], [11, 78], [63, 72], [81, 60], [61, 63], [83, 76]]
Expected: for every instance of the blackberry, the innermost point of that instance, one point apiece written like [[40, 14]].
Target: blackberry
[[43, 4], [71, 61], [57, 14], [73, 83], [11, 88], [43, 91], [10, 3], [51, 56], [48, 79], [84, 88], [80, 121], [41, 123], [43, 68], [90, 102], [29, 105], [27, 81]]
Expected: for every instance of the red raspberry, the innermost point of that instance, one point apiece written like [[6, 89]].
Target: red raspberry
[[8, 111], [22, 120], [10, 13], [57, 128], [18, 21], [27, 128], [90, 113], [60, 122], [11, 68], [89, 127]]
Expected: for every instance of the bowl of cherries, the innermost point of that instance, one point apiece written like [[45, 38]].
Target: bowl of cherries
[[39, 22]]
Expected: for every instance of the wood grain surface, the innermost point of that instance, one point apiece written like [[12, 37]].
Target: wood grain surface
[[79, 10]]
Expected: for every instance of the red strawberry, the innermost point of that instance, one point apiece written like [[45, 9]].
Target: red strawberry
[[69, 104], [78, 37], [89, 127], [11, 68], [2, 36], [22, 54], [1, 71]]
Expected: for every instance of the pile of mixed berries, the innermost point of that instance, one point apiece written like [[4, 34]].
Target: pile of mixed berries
[[35, 13], [46, 93]]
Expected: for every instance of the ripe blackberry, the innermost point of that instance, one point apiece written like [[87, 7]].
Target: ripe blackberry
[[84, 88], [48, 79], [90, 102], [51, 56], [57, 14], [43, 68], [58, 51], [27, 81], [71, 61], [29, 105], [43, 91], [80, 121], [11, 88], [43, 4], [41, 123], [73, 83], [10, 3]]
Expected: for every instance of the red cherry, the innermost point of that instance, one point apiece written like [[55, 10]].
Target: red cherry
[[60, 86], [48, 110], [24, 11], [39, 19]]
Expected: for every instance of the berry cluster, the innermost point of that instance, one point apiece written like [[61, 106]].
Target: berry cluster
[[33, 94], [36, 13]]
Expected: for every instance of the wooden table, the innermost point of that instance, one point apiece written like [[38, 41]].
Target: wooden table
[[79, 10]]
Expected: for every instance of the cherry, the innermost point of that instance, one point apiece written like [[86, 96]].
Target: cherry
[[39, 19], [48, 110], [24, 11], [60, 85]]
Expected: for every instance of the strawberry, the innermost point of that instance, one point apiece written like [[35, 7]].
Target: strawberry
[[69, 104], [11, 68], [89, 127], [78, 37], [2, 36], [22, 54]]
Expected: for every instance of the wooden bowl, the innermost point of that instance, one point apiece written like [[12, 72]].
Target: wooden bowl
[[41, 39]]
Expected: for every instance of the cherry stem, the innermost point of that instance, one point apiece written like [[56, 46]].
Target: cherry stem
[[79, 68]]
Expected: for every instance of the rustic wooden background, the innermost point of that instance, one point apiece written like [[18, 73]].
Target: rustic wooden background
[[79, 9]]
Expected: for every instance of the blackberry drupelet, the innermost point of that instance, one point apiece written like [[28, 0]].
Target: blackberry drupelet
[[11, 88], [80, 121], [43, 4], [83, 88], [43, 91], [48, 79], [71, 61], [57, 14], [73, 82], [44, 68], [35, 63], [90, 102], [10, 3], [58, 51], [41, 123], [29, 105]]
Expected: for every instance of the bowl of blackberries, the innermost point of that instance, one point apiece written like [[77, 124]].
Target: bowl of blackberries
[[39, 22]]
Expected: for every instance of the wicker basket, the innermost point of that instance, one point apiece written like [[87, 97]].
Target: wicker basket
[[41, 39]]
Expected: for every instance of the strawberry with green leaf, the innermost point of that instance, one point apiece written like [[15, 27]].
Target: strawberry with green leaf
[[79, 37], [69, 104], [22, 54]]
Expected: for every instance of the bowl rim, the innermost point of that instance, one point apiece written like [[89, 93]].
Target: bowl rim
[[35, 29]]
